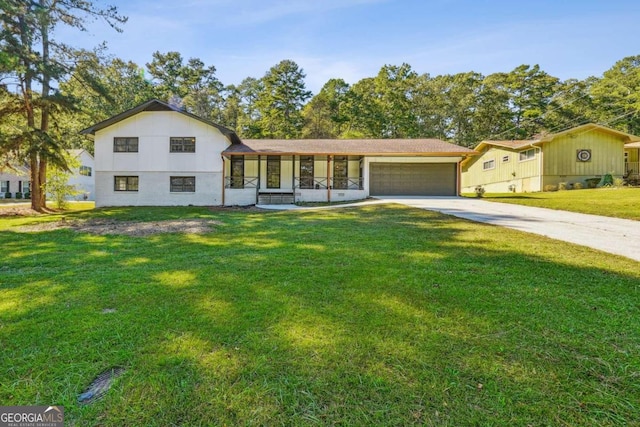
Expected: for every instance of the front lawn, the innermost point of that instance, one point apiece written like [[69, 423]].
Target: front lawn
[[613, 202], [376, 315]]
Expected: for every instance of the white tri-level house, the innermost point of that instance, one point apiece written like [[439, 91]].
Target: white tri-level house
[[155, 154]]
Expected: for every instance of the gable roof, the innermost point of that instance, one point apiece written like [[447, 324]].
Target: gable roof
[[386, 147], [77, 152], [578, 130], [157, 105], [590, 127]]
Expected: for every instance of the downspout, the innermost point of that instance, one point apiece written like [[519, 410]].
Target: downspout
[[539, 164], [459, 176], [328, 178], [223, 178], [259, 177]]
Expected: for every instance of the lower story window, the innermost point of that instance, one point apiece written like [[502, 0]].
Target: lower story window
[[125, 183], [4, 186], [183, 184], [26, 186]]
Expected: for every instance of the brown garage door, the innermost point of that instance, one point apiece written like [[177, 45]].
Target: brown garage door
[[412, 179]]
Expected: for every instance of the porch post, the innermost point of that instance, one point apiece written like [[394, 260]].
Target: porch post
[[328, 178], [224, 178], [293, 177]]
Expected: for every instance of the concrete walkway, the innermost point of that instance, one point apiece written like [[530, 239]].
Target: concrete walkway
[[612, 235]]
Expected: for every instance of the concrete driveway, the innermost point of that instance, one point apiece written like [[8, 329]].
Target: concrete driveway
[[612, 235]]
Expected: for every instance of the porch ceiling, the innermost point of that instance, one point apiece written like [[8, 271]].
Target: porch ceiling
[[370, 147]]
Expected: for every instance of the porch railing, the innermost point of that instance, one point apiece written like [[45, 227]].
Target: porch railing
[[305, 183], [334, 183], [241, 182], [632, 172]]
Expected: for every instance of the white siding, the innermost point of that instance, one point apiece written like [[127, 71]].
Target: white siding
[[154, 190], [84, 185], [154, 164]]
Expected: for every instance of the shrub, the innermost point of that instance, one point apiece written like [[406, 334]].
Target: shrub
[[18, 195], [592, 182], [479, 191], [7, 195], [578, 186], [27, 195], [564, 186], [618, 182], [550, 187]]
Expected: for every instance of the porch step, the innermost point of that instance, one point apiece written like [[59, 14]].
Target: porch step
[[275, 199]]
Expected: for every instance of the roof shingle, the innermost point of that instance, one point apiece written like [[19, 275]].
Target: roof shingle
[[347, 147]]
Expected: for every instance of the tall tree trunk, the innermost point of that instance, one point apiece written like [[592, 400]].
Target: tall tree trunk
[[35, 183], [46, 87], [28, 105]]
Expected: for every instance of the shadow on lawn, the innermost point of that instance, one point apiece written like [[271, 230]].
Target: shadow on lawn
[[374, 315]]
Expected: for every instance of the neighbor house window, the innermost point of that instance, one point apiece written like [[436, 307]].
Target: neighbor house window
[[125, 145], [527, 154], [489, 164], [125, 183], [273, 171], [182, 144], [4, 186], [306, 171], [340, 172], [237, 172], [26, 186], [85, 170], [183, 184], [506, 158]]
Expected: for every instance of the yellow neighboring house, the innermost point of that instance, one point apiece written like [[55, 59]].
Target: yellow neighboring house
[[571, 156]]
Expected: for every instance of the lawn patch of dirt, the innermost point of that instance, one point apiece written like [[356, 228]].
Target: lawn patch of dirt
[[18, 211], [127, 228]]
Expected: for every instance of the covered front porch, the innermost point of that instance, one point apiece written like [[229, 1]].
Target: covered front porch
[[277, 179], [632, 163]]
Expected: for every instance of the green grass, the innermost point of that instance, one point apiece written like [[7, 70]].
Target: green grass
[[378, 315], [613, 202]]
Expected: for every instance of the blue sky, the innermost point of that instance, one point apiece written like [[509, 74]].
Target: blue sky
[[353, 39]]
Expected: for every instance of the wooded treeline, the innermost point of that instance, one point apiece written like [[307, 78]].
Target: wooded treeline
[[49, 91], [398, 102]]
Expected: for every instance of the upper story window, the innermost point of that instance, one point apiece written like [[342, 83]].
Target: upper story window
[[182, 144], [527, 154], [125, 144], [85, 170], [489, 164]]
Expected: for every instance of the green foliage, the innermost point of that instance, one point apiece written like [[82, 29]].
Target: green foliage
[[617, 95], [619, 203], [280, 100], [380, 315], [57, 187], [30, 57], [325, 116]]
